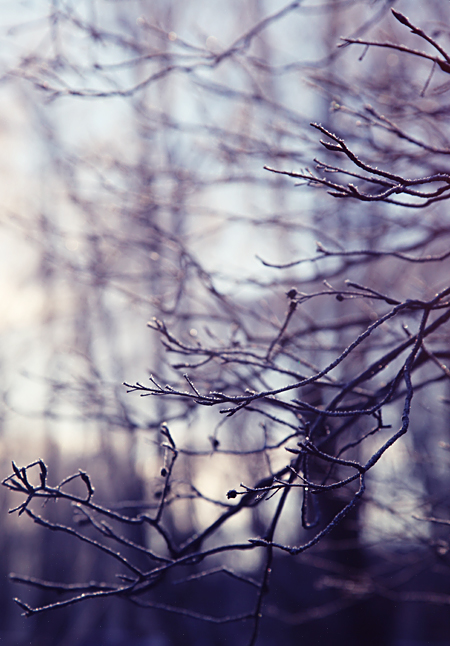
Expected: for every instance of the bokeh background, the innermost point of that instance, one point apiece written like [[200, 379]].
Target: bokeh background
[[133, 140]]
